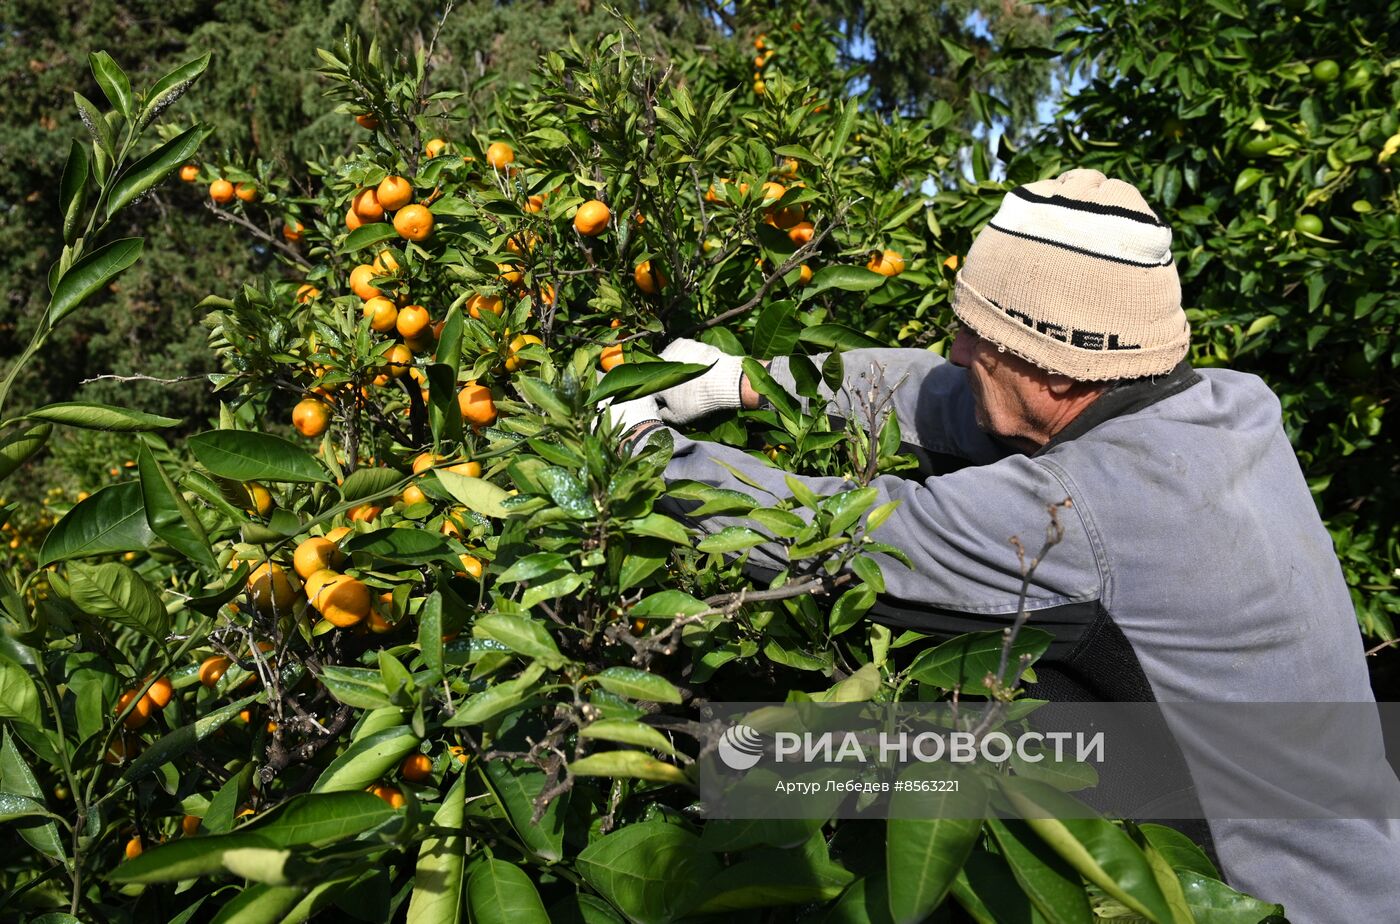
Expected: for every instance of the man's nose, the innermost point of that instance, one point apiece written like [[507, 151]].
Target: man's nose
[[963, 342]]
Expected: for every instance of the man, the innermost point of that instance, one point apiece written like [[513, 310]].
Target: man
[[1194, 565]]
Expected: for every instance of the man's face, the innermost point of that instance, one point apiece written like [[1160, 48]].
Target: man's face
[[1004, 389]]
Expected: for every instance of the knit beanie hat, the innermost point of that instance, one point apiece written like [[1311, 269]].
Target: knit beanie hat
[[1075, 274]]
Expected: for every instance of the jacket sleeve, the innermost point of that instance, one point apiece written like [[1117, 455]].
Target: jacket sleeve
[[955, 528], [930, 398]]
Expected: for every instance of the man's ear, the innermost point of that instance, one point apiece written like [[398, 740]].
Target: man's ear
[[1060, 385]]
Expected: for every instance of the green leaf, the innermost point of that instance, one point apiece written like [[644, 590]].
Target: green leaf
[[91, 274], [989, 892], [568, 492], [365, 483], [13, 806], [112, 81], [628, 731], [1066, 775], [843, 276], [243, 455], [185, 858], [834, 371], [258, 864], [645, 557], [880, 514], [865, 902], [19, 699], [16, 776], [552, 590], [533, 566], [501, 893], [403, 546], [713, 500], [636, 380], [114, 592], [668, 604], [1099, 850], [850, 607], [517, 787], [498, 699], [444, 413], [430, 632], [928, 838], [367, 759], [782, 523], [860, 687], [727, 835], [630, 764], [356, 686], [21, 446], [543, 397], [520, 634], [658, 526], [777, 329], [261, 903], [321, 818], [438, 879], [170, 88], [73, 191], [846, 508], [649, 871], [1170, 884], [837, 337], [583, 908], [1213, 902], [964, 661], [731, 539], [868, 570], [638, 684], [1052, 886], [169, 515], [141, 176], [766, 877], [367, 236], [475, 494], [836, 146], [1247, 178], [763, 383], [1230, 8], [183, 739], [1179, 850], [97, 127]]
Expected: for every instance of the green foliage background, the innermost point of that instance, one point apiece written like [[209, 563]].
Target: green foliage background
[[1166, 95]]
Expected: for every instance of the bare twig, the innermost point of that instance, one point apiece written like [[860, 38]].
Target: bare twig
[[1382, 647], [286, 249], [792, 262], [145, 378]]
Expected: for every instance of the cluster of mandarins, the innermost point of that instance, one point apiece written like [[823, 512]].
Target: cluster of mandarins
[[392, 199], [760, 61], [221, 191], [155, 698], [789, 218]]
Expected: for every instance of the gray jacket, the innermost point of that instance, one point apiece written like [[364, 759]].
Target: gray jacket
[[1194, 567]]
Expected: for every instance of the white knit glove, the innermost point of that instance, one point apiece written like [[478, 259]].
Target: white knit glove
[[716, 390], [628, 414]]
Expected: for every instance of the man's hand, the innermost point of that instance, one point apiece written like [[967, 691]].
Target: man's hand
[[632, 416], [716, 390]]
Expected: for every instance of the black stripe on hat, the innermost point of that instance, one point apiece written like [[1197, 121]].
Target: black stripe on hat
[[1080, 205], [1080, 250]]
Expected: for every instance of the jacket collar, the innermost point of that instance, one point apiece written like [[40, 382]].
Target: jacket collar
[[1126, 398]]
